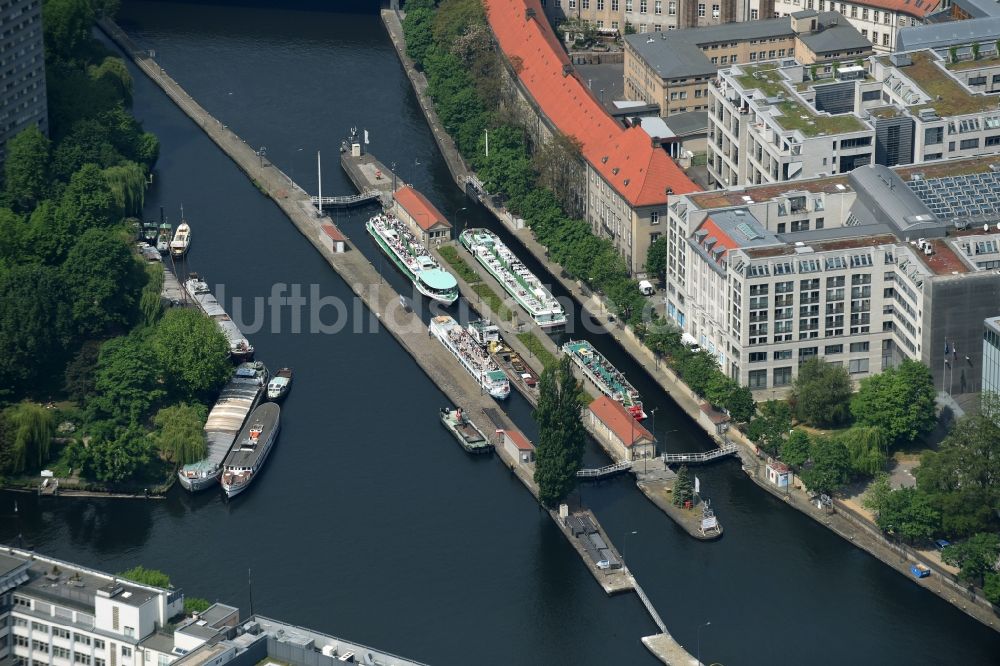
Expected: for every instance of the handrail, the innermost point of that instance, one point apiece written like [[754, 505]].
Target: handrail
[[701, 456], [604, 471]]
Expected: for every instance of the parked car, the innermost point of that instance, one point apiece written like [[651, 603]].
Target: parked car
[[941, 544], [646, 288]]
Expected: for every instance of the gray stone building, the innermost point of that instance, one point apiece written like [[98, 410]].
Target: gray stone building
[[22, 69]]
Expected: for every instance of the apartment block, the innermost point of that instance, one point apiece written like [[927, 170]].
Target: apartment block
[[878, 21], [611, 16], [56, 613], [862, 269], [673, 70], [22, 69], [781, 121]]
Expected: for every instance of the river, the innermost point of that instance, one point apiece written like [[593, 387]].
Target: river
[[369, 522]]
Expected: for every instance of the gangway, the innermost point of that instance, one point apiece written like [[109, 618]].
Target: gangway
[[604, 472], [346, 201], [701, 457]]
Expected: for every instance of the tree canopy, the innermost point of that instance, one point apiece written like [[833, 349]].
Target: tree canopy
[[821, 394], [192, 353], [559, 453], [907, 513], [141, 574], [975, 557], [25, 437], [683, 489], [178, 435], [769, 429], [656, 258], [26, 168], [830, 465], [898, 400]]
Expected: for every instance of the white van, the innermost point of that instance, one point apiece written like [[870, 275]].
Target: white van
[[646, 288]]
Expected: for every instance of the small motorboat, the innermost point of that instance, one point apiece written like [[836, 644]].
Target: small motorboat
[[182, 240], [280, 384], [163, 240]]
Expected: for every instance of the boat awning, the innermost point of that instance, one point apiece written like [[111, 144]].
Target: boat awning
[[438, 279]]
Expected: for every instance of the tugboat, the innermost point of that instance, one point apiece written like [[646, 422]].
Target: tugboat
[[468, 435], [280, 385], [250, 449]]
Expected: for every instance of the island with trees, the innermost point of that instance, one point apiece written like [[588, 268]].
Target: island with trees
[[97, 383]]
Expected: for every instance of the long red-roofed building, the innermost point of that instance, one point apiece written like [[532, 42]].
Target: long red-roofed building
[[629, 178]]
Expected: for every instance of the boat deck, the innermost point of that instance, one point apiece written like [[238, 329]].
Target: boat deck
[[245, 455]]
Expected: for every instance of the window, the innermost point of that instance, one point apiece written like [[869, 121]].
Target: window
[[887, 19], [854, 11], [858, 347], [80, 638], [758, 379], [658, 7], [933, 135], [715, 11], [59, 632], [130, 632], [98, 661], [38, 626], [81, 658], [643, 6], [783, 376], [864, 14], [782, 355], [60, 652], [701, 9], [875, 14], [781, 227], [98, 645], [800, 225], [126, 650], [758, 357], [830, 350], [858, 365], [968, 144], [654, 217], [40, 646], [672, 8], [614, 5], [22, 601], [885, 42], [754, 15], [874, 37]]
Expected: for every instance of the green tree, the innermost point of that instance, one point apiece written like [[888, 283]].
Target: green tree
[[697, 369], [417, 31], [910, 514], [79, 376], [117, 458], [656, 259], [67, 25], [28, 430], [153, 577], [35, 328], [151, 300], [769, 429], [26, 168], [963, 476], [867, 447], [104, 280], [991, 588], [559, 164], [196, 605], [830, 466], [559, 453], [975, 557], [899, 400], [178, 435], [194, 350], [105, 8], [127, 183], [740, 403], [113, 72], [822, 394], [877, 495], [795, 450], [127, 383], [683, 491]]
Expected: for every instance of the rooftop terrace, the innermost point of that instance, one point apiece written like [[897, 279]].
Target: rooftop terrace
[[950, 97], [794, 114]]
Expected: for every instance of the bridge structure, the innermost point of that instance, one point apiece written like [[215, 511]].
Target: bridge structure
[[604, 472], [347, 201], [702, 456]]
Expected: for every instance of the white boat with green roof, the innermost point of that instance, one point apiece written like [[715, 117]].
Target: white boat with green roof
[[518, 281], [400, 245]]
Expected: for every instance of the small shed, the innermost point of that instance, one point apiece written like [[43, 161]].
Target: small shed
[[333, 239], [627, 437], [515, 444], [710, 417], [778, 474], [421, 216]]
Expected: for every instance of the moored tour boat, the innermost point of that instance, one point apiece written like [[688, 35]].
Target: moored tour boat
[[279, 385], [605, 376], [239, 347], [250, 449], [473, 356], [518, 281], [465, 431], [182, 240], [400, 245]]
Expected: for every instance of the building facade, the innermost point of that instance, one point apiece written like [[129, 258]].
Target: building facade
[[862, 270], [22, 70], [991, 355], [611, 16], [424, 219], [778, 121], [878, 21], [673, 70], [626, 438]]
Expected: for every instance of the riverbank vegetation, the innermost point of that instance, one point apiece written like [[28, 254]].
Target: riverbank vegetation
[[451, 43], [82, 328]]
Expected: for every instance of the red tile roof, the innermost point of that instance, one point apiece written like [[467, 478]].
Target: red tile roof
[[620, 422], [520, 441], [917, 8], [419, 208], [722, 239], [638, 170], [333, 232]]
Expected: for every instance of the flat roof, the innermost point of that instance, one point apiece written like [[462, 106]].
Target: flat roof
[[949, 97], [687, 122], [438, 279]]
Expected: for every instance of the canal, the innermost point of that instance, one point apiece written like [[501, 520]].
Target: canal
[[369, 521]]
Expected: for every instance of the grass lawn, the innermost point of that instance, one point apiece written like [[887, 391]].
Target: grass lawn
[[494, 302], [535, 346], [463, 269]]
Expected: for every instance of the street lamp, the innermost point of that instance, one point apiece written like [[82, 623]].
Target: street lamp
[[625, 546], [707, 624], [669, 432], [260, 154]]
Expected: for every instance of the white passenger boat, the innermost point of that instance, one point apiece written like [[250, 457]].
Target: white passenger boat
[[473, 356], [400, 245]]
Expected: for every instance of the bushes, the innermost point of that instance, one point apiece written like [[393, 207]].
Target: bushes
[[463, 269], [535, 346]]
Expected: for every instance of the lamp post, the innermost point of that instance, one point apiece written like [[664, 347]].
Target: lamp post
[[707, 624], [625, 545], [260, 154]]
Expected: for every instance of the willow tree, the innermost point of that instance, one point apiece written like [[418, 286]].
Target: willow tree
[[178, 435], [30, 428], [151, 301], [128, 187]]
